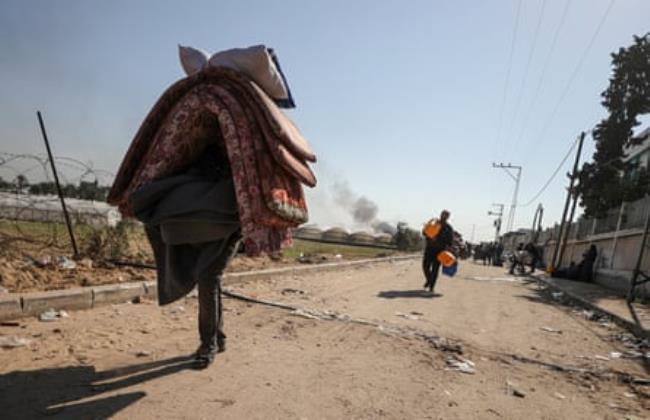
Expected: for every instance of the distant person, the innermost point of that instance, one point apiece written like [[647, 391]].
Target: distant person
[[586, 266], [489, 253], [534, 256], [481, 253], [498, 255], [439, 237], [583, 271], [572, 272], [517, 259]]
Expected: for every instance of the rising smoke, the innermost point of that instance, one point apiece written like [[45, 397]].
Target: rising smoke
[[363, 210]]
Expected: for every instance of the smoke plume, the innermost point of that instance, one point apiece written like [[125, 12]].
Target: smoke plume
[[363, 210]]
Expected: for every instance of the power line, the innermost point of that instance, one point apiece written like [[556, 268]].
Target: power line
[[545, 186], [547, 61], [574, 74], [508, 72], [527, 69]]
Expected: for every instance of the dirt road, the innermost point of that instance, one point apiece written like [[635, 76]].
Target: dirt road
[[375, 346]]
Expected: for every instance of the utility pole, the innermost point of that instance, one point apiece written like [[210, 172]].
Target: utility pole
[[516, 178], [564, 229], [497, 221], [537, 223]]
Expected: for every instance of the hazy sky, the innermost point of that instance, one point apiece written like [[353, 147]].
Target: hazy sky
[[400, 99]]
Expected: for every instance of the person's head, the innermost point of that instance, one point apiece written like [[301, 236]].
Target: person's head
[[444, 215]]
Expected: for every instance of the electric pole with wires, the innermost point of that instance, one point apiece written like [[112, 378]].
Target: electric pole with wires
[[513, 207]]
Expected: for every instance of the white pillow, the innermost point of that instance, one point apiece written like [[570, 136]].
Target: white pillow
[[192, 60], [257, 62]]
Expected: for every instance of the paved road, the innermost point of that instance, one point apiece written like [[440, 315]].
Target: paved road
[[129, 361]]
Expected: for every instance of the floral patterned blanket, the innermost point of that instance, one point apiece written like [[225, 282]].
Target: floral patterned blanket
[[268, 155]]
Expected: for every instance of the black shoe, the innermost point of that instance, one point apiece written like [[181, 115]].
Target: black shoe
[[221, 344], [204, 357]]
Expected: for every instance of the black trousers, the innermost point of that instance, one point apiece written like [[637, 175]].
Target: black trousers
[[431, 266], [516, 263], [210, 307]]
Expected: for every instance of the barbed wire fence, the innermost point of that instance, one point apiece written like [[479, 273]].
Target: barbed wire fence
[[32, 219]]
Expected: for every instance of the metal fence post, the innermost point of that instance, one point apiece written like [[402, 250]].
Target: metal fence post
[[618, 228]]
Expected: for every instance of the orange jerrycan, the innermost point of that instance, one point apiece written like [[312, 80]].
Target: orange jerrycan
[[431, 229], [446, 258]]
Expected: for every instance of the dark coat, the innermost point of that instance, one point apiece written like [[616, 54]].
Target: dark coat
[[444, 239], [191, 220]]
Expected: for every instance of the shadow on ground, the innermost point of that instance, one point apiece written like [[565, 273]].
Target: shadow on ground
[[392, 294], [75, 392]]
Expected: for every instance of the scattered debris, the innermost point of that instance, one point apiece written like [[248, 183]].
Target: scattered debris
[[51, 315], [407, 316], [590, 315], [484, 278], [615, 355], [461, 364], [9, 324], [3, 290], [551, 330], [617, 407], [637, 381], [311, 314], [603, 358], [289, 290], [629, 395], [311, 259], [631, 354], [511, 389], [444, 344], [559, 396], [143, 353], [557, 295], [43, 262], [136, 300], [86, 262], [66, 263], [12, 342]]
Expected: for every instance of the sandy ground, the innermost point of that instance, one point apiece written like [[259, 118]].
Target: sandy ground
[[130, 360]]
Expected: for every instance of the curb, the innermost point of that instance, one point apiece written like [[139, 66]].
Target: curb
[[21, 305], [630, 326]]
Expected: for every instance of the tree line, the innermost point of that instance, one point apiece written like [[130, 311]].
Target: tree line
[[85, 190]]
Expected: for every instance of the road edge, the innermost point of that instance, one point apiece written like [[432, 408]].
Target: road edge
[[630, 326], [21, 305]]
